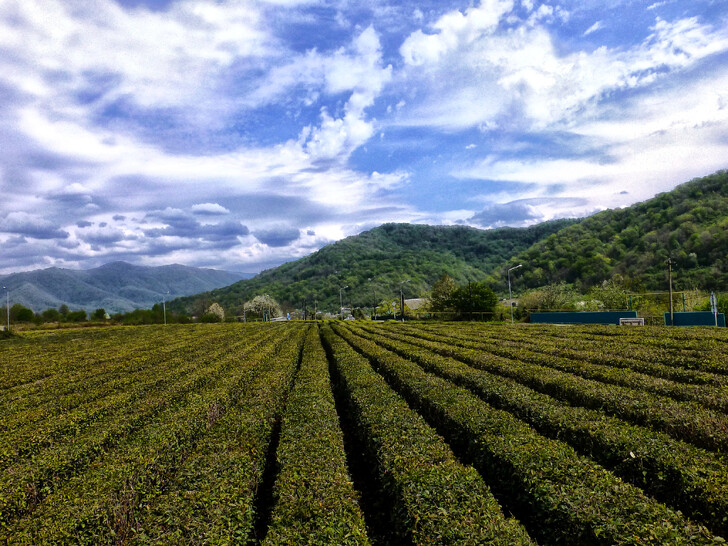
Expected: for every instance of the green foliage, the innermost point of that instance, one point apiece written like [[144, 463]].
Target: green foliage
[[666, 468], [388, 255], [611, 294], [20, 313], [76, 316], [442, 292], [99, 314], [436, 500], [51, 315], [315, 497], [689, 224], [475, 296], [559, 296], [722, 304], [149, 435], [574, 500]]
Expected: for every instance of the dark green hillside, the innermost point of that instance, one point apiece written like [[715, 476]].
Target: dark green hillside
[[688, 224], [388, 255]]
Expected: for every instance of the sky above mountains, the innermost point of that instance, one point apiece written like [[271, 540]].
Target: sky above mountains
[[241, 134]]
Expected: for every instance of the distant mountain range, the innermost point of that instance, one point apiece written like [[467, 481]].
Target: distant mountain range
[[116, 287], [688, 224]]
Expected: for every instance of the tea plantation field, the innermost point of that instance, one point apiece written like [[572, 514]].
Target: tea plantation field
[[364, 433]]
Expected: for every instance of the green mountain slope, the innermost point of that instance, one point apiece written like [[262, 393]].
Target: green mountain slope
[[389, 255], [688, 225]]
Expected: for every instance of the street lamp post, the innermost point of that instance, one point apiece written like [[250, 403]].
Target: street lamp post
[[401, 298], [669, 277], [7, 306], [341, 301], [164, 307], [510, 296]]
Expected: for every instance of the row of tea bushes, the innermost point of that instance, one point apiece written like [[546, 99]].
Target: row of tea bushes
[[565, 498], [435, 499], [690, 479]]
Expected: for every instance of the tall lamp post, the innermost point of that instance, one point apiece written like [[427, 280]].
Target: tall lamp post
[[341, 301], [7, 305], [510, 296], [401, 298], [669, 280], [164, 307]]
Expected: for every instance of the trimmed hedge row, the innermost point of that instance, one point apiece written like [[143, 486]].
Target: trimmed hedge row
[[613, 352], [567, 498], [36, 359], [688, 478], [436, 499], [147, 373], [689, 348], [104, 503], [213, 497], [87, 378], [685, 421], [713, 397], [33, 479], [315, 499]]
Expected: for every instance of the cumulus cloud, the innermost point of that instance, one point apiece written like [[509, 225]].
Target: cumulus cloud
[[209, 209], [180, 224], [101, 236], [359, 70], [277, 236], [524, 212], [522, 79], [31, 225]]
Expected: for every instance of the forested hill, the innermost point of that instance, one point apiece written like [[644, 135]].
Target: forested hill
[[388, 255], [688, 225]]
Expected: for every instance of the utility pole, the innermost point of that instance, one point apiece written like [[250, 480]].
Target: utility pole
[[669, 278], [510, 296]]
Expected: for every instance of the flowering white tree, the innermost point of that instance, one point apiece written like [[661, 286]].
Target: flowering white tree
[[217, 310], [263, 305]]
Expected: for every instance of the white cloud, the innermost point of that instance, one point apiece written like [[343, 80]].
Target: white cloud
[[454, 30], [592, 29], [649, 149], [360, 70], [209, 209], [159, 58], [473, 74]]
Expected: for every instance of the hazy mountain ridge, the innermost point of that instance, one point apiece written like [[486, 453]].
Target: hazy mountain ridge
[[116, 287]]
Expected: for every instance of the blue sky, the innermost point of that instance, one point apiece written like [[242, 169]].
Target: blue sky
[[243, 134]]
